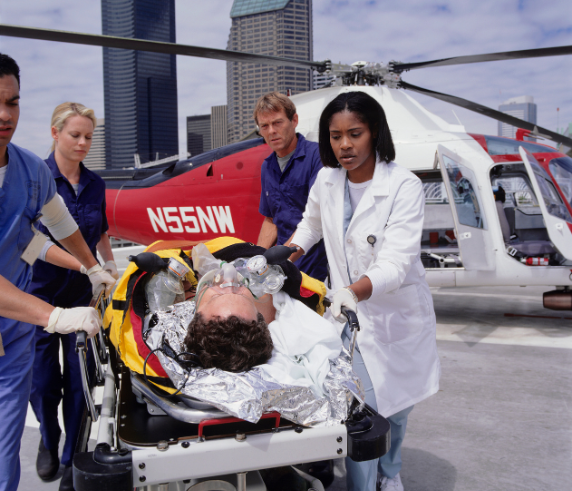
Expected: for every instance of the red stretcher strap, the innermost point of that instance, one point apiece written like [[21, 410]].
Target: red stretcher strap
[[213, 422]]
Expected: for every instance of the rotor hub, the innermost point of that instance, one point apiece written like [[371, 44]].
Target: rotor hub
[[364, 73]]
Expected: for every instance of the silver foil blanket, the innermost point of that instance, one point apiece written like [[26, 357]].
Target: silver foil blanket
[[247, 395]]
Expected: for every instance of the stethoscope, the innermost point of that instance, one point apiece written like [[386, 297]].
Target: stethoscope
[[371, 239]]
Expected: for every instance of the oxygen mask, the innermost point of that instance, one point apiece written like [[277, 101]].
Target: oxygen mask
[[165, 288], [221, 281], [252, 278], [262, 277]]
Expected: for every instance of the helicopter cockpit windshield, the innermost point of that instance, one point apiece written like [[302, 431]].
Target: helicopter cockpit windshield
[[561, 170], [543, 183], [497, 145]]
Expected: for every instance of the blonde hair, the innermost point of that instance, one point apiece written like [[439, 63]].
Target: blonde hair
[[65, 111], [274, 102]]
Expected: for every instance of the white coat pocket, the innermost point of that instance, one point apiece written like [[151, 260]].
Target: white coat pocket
[[398, 315]]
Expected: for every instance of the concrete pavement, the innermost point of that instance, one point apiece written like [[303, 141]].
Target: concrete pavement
[[502, 418]]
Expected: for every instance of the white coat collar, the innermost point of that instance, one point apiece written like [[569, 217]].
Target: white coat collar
[[336, 178], [380, 181]]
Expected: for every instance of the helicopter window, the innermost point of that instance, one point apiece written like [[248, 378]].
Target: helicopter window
[[561, 169], [464, 194], [518, 191], [552, 199], [505, 146]]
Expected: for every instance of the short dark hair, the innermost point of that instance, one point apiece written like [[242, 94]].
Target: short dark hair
[[232, 344], [368, 111], [8, 66]]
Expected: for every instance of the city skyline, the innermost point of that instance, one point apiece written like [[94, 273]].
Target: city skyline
[[95, 159], [522, 107], [278, 28], [140, 87], [199, 131], [376, 31]]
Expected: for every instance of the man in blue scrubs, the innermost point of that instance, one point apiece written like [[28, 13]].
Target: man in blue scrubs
[[27, 189], [286, 177]]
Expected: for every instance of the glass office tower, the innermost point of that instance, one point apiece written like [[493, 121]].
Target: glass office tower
[[140, 88], [522, 107], [270, 27], [198, 134]]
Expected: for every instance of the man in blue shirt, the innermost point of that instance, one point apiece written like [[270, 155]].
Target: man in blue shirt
[[286, 177], [27, 190]]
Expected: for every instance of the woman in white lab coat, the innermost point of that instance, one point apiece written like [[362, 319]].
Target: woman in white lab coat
[[369, 211]]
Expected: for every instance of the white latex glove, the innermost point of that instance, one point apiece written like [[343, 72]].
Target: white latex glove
[[98, 276], [343, 298], [111, 268], [66, 321]]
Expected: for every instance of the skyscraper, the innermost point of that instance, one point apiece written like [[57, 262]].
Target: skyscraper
[[95, 159], [140, 88], [219, 126], [322, 80], [198, 134], [522, 107], [270, 27]]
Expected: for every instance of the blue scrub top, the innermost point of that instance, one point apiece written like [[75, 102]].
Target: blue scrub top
[[28, 186], [59, 286], [284, 195]]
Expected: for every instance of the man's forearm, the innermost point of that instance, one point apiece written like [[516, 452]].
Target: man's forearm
[[268, 234], [104, 248], [61, 258], [18, 305], [75, 244]]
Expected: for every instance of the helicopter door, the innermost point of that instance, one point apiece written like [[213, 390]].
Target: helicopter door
[[468, 214], [556, 216]]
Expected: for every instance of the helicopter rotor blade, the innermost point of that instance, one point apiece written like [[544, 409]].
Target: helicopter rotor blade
[[505, 55], [154, 46], [491, 113]]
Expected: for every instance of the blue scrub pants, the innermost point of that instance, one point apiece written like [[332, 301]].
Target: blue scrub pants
[[15, 382], [362, 476], [48, 385]]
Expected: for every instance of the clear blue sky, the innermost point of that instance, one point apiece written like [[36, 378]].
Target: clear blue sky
[[347, 31]]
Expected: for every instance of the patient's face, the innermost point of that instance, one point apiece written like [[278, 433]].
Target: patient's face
[[217, 302]]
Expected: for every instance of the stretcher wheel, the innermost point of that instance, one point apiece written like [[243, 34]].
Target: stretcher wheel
[[369, 436], [89, 475]]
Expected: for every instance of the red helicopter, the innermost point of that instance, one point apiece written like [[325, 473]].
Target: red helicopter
[[467, 240]]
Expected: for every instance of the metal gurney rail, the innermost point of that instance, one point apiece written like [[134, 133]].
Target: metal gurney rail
[[188, 449]]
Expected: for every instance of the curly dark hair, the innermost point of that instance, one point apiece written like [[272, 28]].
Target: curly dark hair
[[232, 344]]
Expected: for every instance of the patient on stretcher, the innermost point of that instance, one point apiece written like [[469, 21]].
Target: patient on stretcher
[[243, 348], [234, 330]]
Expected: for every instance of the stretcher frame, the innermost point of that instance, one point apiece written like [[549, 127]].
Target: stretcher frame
[[227, 462]]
